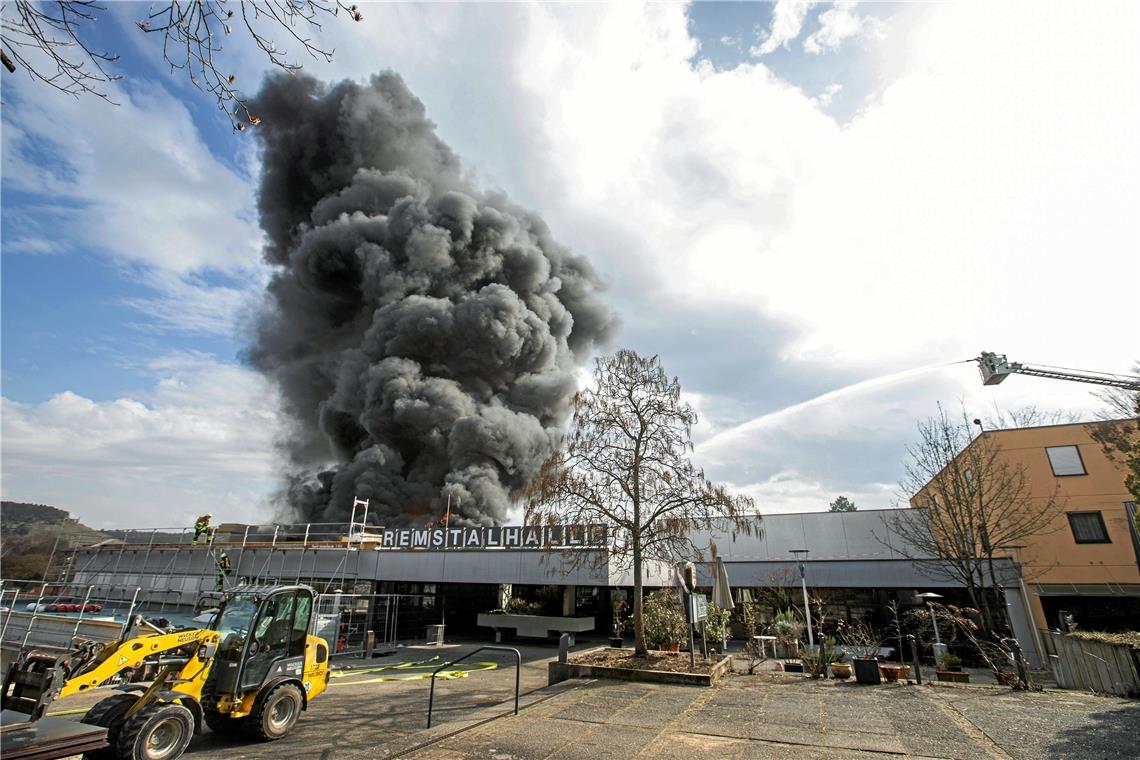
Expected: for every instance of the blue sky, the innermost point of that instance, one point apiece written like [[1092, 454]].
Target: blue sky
[[785, 199]]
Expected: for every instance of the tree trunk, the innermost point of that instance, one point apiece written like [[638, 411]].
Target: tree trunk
[[638, 606], [980, 596]]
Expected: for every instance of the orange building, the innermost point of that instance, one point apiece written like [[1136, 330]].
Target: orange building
[[1087, 561]]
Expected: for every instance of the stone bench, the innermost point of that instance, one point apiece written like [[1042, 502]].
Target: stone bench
[[537, 626]]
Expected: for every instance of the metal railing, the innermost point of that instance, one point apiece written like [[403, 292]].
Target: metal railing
[[53, 614], [269, 534], [518, 674]]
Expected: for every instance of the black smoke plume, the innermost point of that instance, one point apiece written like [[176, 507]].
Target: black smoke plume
[[424, 334]]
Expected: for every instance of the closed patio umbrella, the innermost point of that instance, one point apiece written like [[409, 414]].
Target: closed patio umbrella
[[722, 592], [722, 595]]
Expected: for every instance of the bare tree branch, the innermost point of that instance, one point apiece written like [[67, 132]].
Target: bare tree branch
[[44, 38], [624, 464], [979, 505]]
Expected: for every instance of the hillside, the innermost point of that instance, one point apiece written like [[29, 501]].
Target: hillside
[[29, 531]]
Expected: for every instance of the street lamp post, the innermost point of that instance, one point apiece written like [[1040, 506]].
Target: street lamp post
[[800, 555], [939, 647]]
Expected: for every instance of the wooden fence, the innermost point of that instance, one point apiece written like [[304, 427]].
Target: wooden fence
[[1095, 665]]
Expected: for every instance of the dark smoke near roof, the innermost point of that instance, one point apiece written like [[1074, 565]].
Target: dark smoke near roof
[[424, 334]]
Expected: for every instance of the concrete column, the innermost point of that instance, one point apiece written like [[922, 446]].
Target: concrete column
[[569, 599]]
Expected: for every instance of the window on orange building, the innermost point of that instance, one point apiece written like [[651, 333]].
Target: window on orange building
[[1088, 528], [1065, 460]]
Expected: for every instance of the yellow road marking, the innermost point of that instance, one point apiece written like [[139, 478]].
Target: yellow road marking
[[459, 671]]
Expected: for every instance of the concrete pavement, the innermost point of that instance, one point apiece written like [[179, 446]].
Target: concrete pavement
[[787, 717], [377, 710]]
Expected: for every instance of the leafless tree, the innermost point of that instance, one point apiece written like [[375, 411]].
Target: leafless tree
[[46, 40], [1118, 434], [980, 506], [624, 464], [1027, 416]]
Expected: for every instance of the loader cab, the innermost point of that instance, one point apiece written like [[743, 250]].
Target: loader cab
[[263, 635]]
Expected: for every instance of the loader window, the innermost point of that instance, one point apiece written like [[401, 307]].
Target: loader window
[[234, 624], [270, 640], [304, 609]]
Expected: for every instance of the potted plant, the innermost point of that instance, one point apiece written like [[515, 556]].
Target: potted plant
[[861, 643], [817, 663], [788, 631], [892, 671], [619, 608], [716, 627], [949, 668], [840, 669], [664, 621]]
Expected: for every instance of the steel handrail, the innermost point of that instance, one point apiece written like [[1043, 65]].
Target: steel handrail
[[518, 673]]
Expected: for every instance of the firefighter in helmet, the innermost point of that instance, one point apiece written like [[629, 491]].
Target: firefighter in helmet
[[202, 526], [222, 571]]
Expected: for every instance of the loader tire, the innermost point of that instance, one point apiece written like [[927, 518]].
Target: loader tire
[[275, 717], [220, 722], [108, 713], [159, 731]]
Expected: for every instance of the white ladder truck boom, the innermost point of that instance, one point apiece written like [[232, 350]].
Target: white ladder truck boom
[[995, 368]]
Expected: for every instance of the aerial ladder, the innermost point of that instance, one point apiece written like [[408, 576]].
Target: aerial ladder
[[995, 368]]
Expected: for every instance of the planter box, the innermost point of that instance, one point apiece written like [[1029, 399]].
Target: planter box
[[538, 626], [866, 671], [892, 673], [953, 676], [840, 670], [560, 671], [784, 651], [793, 667]]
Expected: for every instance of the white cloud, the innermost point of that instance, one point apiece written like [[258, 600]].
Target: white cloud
[[787, 22], [790, 492], [829, 92], [201, 438], [138, 184], [190, 303], [967, 207], [984, 199], [837, 24]]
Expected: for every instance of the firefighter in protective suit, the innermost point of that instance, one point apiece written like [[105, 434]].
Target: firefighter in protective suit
[[222, 571], [202, 526]]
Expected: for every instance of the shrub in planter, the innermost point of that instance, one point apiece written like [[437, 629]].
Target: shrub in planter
[[716, 625], [953, 676], [816, 663], [949, 669], [861, 642], [893, 672], [867, 671], [664, 620]]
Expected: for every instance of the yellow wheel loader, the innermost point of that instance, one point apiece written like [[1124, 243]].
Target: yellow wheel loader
[[253, 671]]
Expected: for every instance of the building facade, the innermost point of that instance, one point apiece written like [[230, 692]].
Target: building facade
[[854, 564], [1086, 561]]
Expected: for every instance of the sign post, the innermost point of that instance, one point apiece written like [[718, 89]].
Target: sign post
[[699, 612], [689, 625]]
